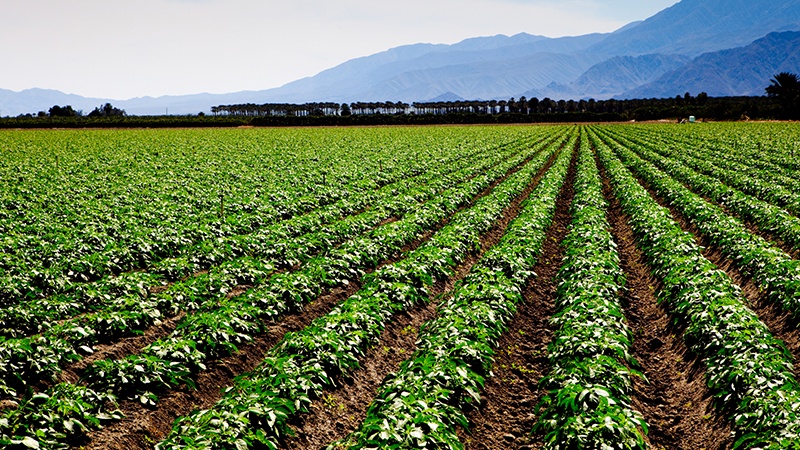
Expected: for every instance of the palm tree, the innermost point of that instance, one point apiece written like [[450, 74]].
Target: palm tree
[[785, 87]]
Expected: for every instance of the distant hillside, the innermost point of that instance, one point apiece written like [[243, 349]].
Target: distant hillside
[[497, 66], [693, 27], [613, 77], [682, 48], [739, 71], [34, 100]]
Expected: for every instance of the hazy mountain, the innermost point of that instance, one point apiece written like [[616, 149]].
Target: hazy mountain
[[613, 77], [693, 27], [34, 100], [446, 97], [644, 53], [500, 66], [496, 66], [739, 71]]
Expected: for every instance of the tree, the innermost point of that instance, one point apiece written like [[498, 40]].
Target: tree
[[63, 111], [533, 105], [785, 87], [107, 111]]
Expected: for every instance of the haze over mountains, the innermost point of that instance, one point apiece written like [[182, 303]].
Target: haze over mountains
[[722, 47]]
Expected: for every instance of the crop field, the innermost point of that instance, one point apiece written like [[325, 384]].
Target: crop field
[[504, 287]]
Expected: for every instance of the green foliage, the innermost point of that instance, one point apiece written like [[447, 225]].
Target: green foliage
[[343, 248], [422, 405], [315, 358], [589, 386], [748, 370]]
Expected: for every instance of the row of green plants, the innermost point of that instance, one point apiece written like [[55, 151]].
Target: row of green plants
[[748, 370], [78, 205], [753, 160], [422, 405], [749, 180], [25, 362], [256, 410], [87, 235], [770, 146], [588, 390], [766, 216], [771, 268], [280, 243], [214, 332]]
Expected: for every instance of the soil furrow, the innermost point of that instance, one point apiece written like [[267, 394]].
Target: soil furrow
[[133, 345], [777, 320], [341, 410], [506, 413], [142, 426], [673, 398], [119, 349]]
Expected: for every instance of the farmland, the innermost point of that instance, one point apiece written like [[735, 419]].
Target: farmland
[[560, 287]]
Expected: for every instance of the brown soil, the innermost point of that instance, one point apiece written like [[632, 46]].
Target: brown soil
[[144, 426], [341, 410], [751, 226], [506, 413], [778, 321], [119, 349], [673, 397]]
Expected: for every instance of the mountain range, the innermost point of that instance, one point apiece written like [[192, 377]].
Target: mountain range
[[721, 47]]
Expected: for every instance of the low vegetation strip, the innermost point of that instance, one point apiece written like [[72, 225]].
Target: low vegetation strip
[[588, 404], [748, 370], [421, 405]]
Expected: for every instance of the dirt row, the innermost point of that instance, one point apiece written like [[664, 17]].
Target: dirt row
[[343, 409], [507, 409], [672, 395], [143, 426], [778, 321]]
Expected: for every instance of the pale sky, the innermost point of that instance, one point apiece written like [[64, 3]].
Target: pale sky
[[120, 49]]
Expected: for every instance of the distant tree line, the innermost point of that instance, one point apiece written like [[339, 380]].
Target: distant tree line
[[106, 110], [430, 113], [782, 101], [522, 109], [277, 109]]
